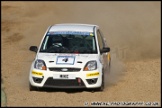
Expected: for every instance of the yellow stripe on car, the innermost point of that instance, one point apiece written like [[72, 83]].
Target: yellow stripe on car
[[92, 74], [108, 56], [37, 73]]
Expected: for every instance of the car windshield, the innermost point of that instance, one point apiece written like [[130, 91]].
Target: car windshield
[[69, 42]]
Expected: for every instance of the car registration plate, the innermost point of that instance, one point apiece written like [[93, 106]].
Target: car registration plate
[[63, 76]]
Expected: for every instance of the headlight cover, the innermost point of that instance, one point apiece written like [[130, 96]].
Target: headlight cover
[[40, 64], [91, 65]]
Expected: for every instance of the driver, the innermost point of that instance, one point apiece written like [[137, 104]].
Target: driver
[[57, 41]]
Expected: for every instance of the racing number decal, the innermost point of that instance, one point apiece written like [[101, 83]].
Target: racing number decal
[[65, 60]]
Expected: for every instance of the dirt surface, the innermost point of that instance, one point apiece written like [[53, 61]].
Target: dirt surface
[[132, 30]]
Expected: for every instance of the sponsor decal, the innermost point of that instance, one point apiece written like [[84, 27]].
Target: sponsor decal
[[59, 54], [37, 73], [91, 34], [71, 33], [92, 74], [108, 56]]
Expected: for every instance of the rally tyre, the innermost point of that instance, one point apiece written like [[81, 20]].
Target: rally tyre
[[102, 84], [32, 88], [109, 65]]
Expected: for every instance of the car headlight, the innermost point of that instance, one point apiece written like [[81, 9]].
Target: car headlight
[[91, 65], [40, 64]]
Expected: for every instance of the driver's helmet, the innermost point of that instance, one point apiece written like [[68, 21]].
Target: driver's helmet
[[57, 40]]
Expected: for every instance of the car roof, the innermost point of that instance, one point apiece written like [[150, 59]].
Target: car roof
[[72, 27]]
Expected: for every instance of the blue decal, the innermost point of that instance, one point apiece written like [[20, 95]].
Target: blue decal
[[72, 32]]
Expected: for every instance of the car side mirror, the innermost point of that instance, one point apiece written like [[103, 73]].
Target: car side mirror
[[33, 48], [105, 49]]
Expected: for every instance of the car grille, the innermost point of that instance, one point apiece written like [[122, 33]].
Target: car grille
[[68, 69], [50, 82]]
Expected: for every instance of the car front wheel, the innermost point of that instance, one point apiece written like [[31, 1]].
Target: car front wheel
[[32, 88], [101, 88]]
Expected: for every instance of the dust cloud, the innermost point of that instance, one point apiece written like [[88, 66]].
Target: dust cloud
[[116, 71]]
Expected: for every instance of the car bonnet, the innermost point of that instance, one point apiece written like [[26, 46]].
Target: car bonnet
[[66, 60]]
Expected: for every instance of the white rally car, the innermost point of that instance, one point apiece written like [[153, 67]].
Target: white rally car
[[70, 56]]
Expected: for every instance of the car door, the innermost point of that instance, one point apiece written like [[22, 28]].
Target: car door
[[101, 42]]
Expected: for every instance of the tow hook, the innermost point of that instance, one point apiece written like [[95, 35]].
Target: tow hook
[[79, 81]]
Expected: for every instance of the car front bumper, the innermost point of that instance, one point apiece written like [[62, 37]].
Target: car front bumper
[[81, 79]]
